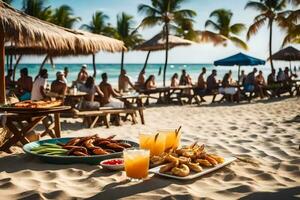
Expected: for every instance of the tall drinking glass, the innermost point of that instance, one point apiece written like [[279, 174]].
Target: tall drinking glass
[[136, 162], [172, 138], [155, 142]]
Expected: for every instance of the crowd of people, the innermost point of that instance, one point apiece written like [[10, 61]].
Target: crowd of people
[[26, 88]]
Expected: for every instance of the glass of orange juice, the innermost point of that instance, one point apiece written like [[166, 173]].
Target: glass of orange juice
[[172, 138], [136, 162], [154, 142]]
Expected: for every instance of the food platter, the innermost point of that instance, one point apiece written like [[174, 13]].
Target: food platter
[[227, 160], [94, 159]]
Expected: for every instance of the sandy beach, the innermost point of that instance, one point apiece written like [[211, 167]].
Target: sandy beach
[[264, 135]]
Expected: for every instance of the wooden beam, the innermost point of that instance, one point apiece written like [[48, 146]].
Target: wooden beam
[[2, 69]]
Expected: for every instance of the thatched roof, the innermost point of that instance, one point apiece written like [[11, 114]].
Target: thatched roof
[[158, 42], [27, 31], [288, 54]]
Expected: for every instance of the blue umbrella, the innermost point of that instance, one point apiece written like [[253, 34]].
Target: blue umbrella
[[239, 59]]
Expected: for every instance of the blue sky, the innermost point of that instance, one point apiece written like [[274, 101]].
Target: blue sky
[[199, 53]]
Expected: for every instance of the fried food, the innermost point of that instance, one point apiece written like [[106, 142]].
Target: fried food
[[181, 162], [195, 167], [182, 171], [204, 163]]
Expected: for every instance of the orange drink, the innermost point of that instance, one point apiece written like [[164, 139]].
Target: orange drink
[[136, 162], [158, 145], [154, 142], [172, 138]]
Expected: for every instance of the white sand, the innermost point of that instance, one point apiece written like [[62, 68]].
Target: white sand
[[258, 132]]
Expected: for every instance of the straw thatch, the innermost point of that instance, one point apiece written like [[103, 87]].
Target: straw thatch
[[287, 54], [158, 42], [27, 31]]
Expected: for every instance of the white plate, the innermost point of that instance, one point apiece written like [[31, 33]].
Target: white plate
[[193, 174]]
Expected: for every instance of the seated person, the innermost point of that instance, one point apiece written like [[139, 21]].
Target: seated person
[[226, 89], [108, 93], [273, 85], [201, 85], [150, 83], [249, 85], [141, 79], [24, 85], [280, 76], [66, 73], [212, 85], [59, 86], [261, 85], [9, 83], [183, 78], [174, 80], [124, 82], [82, 75], [91, 89], [39, 86]]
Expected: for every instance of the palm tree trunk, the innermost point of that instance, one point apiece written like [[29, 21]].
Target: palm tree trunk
[[270, 44], [167, 49], [15, 67], [146, 61], [122, 60]]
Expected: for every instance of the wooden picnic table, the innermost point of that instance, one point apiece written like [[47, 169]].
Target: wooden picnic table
[[15, 118], [135, 98]]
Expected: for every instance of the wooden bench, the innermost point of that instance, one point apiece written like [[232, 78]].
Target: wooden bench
[[105, 112]]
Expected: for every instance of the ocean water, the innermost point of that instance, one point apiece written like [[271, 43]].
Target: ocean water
[[113, 71]]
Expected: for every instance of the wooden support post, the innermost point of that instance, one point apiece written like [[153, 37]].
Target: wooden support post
[[2, 69], [94, 65]]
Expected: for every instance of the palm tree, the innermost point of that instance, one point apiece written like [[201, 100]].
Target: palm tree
[[220, 22], [127, 33], [185, 29], [166, 13], [63, 16], [99, 25], [270, 11], [37, 8], [292, 28]]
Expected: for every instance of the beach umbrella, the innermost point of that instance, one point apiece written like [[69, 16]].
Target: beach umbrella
[[24, 30], [287, 54], [239, 59], [158, 43]]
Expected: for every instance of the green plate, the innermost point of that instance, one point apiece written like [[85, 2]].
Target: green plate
[[94, 160]]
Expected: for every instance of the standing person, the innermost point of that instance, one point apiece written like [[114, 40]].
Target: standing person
[[174, 80], [242, 77], [150, 82], [183, 78], [82, 75], [90, 88], [124, 82], [24, 85], [201, 85], [280, 75], [108, 93], [59, 86], [39, 86], [212, 85]]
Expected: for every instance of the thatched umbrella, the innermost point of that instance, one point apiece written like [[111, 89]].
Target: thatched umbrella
[[24, 30], [158, 43], [287, 54]]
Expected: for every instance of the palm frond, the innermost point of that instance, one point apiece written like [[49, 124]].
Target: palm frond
[[238, 42], [255, 26], [259, 6], [208, 36], [237, 28], [151, 21], [212, 24]]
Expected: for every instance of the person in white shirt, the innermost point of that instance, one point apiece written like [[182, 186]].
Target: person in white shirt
[[39, 85]]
